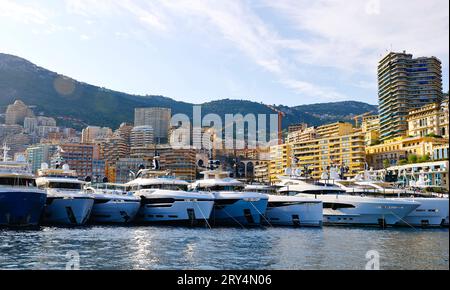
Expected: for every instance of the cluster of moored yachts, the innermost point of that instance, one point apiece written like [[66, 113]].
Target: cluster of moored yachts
[[58, 197]]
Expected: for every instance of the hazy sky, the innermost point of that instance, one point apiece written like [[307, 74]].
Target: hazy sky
[[279, 52]]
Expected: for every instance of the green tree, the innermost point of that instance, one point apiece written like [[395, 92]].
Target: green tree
[[412, 158], [425, 158], [375, 142], [433, 135], [403, 162], [386, 163]]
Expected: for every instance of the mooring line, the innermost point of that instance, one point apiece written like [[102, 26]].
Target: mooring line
[[204, 217], [261, 214]]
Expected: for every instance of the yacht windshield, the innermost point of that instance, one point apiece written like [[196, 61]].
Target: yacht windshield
[[386, 185], [226, 188], [11, 181], [264, 191], [65, 185], [352, 184], [165, 186], [330, 185]]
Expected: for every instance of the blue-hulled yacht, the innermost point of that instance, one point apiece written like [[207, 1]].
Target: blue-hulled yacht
[[21, 202]]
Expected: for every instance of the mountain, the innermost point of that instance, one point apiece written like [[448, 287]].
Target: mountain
[[78, 104]]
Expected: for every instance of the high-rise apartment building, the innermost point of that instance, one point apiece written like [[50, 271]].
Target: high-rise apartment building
[[36, 155], [84, 159], [112, 149], [181, 162], [90, 133], [297, 127], [157, 118], [371, 128], [17, 112], [302, 135], [124, 131], [334, 129], [262, 171], [30, 125], [46, 121], [280, 160], [142, 136], [405, 83], [339, 150]]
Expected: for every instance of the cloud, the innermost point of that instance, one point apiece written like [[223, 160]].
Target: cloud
[[141, 11], [352, 35], [349, 36], [85, 37], [146, 14], [25, 13], [233, 21], [240, 25], [90, 8], [308, 89], [311, 47]]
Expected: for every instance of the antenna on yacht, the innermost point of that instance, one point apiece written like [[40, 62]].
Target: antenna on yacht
[[155, 162], [132, 174], [57, 159], [342, 171], [5, 151]]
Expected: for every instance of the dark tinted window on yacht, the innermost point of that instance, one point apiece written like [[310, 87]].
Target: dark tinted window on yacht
[[226, 188], [64, 185], [322, 191], [165, 186], [11, 181], [326, 184], [336, 206]]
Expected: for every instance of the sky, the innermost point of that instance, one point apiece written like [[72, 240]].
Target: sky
[[288, 52]]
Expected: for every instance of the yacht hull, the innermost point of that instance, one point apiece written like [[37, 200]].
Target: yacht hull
[[68, 211], [175, 207], [294, 213], [114, 211], [446, 222], [366, 213], [21, 208], [432, 212], [233, 212]]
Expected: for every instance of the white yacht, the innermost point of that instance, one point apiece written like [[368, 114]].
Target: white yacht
[[340, 208], [283, 210], [232, 206], [67, 203], [165, 199], [432, 212], [113, 203]]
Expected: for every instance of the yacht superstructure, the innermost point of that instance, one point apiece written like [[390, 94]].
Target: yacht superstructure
[[340, 208], [113, 203], [432, 211], [67, 203], [232, 205], [165, 199]]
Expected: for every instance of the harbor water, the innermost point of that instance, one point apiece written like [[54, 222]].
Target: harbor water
[[108, 247]]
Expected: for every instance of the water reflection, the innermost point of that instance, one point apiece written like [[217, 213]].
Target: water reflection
[[223, 248]]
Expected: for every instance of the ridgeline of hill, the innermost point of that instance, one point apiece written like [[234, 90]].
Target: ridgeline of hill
[[78, 104]]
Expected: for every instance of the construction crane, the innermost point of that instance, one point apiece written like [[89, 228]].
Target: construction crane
[[281, 114], [356, 118]]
